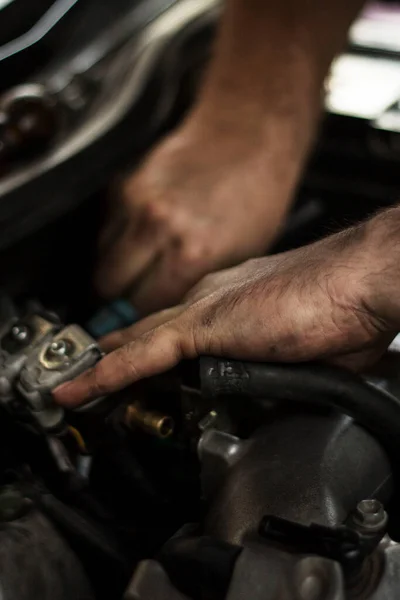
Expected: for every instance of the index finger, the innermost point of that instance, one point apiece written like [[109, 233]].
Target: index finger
[[154, 352]]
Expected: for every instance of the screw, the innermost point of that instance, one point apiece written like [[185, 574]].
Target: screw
[[20, 333], [370, 514], [208, 420], [58, 349]]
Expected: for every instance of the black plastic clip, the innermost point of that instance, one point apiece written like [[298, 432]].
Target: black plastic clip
[[341, 544]]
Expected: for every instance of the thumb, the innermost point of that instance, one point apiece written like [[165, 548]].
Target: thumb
[[152, 353]]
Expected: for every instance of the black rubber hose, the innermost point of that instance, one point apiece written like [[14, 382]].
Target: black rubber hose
[[374, 409], [200, 567]]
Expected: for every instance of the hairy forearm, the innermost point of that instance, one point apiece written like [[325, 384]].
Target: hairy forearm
[[382, 247], [270, 61]]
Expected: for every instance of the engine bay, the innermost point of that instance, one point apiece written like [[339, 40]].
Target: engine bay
[[220, 480]]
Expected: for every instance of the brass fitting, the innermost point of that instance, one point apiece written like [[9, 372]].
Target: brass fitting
[[151, 422]]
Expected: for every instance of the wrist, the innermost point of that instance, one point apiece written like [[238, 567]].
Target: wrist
[[279, 120], [272, 161], [284, 135], [253, 87], [382, 255], [254, 114]]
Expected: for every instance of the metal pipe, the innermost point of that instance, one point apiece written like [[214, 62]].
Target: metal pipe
[[149, 421]]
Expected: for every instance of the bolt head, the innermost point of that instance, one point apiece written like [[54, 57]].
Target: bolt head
[[208, 420], [20, 333], [58, 349], [370, 513]]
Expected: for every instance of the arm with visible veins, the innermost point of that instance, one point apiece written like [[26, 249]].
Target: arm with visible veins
[[217, 189], [266, 81], [337, 300], [270, 62]]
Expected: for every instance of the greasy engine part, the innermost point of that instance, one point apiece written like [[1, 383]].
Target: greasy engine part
[[124, 82], [320, 385], [67, 354], [36, 354], [204, 567], [305, 467], [294, 511], [280, 561], [263, 572], [259, 575], [151, 422], [310, 473], [89, 534], [36, 561], [18, 338], [310, 470], [29, 122]]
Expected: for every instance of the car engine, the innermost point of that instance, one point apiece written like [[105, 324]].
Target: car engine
[[220, 480]]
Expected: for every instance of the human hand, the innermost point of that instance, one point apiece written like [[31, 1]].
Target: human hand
[[205, 199], [334, 300]]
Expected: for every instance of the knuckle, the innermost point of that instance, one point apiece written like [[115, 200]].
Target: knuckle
[[193, 254], [184, 338], [127, 190], [127, 360], [208, 281], [156, 211], [250, 263], [134, 189], [98, 380]]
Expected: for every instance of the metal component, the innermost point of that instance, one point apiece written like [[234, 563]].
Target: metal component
[[84, 465], [18, 340], [50, 569], [267, 573], [151, 581], [387, 542], [208, 421], [20, 333], [330, 464], [317, 579], [58, 350], [218, 452], [59, 454], [388, 584], [151, 422], [370, 515], [259, 574], [67, 354], [41, 27], [35, 357], [68, 345], [199, 414], [311, 588], [30, 121]]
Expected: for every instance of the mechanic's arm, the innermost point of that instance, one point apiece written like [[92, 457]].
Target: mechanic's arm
[[336, 300], [216, 191]]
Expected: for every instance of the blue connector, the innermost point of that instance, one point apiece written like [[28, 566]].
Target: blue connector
[[117, 315]]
